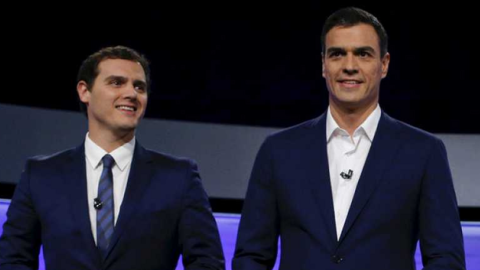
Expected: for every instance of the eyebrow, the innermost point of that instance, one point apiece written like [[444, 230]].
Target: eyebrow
[[335, 49], [115, 77], [124, 79], [355, 51], [364, 49]]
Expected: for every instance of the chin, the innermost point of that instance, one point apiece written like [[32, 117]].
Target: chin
[[349, 104], [348, 100], [127, 128]]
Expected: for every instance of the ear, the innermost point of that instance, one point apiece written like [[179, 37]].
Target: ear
[[83, 92], [385, 64], [323, 65]]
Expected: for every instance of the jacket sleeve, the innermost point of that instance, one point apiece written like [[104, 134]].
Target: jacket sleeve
[[257, 240], [21, 238], [440, 232], [200, 240]]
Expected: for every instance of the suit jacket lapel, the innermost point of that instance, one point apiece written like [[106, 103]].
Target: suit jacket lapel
[[75, 185], [384, 148], [138, 179], [316, 153]]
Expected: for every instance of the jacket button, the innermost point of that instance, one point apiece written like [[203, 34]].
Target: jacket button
[[337, 259]]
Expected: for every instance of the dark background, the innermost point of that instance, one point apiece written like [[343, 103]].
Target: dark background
[[250, 62]]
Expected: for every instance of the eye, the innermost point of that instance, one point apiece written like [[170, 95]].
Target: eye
[[115, 82], [364, 54], [335, 54], [140, 87]]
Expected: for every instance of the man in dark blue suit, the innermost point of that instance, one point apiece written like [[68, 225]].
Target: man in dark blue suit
[[353, 188], [110, 203]]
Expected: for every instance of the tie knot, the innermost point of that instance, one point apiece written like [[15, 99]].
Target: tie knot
[[108, 161]]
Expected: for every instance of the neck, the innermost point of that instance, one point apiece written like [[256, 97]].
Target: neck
[[350, 119], [109, 141]]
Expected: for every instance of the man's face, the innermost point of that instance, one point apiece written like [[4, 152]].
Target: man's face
[[352, 66], [117, 99]]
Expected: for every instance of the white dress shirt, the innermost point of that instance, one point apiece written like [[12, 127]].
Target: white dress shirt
[[123, 156], [346, 153]]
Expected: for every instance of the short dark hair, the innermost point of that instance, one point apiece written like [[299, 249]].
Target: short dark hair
[[88, 71], [352, 16]]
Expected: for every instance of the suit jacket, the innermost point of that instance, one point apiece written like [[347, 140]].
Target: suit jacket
[[165, 212], [405, 194]]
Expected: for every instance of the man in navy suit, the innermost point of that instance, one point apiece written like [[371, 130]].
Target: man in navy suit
[[110, 203], [353, 188]]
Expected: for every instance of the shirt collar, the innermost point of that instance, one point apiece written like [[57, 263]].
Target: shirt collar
[[123, 155], [369, 126]]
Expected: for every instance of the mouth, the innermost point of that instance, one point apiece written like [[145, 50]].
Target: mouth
[[126, 108], [350, 83]]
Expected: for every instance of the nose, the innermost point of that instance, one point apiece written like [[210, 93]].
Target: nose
[[130, 92], [350, 65]]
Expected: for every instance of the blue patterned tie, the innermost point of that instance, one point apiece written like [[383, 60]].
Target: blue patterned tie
[[105, 213]]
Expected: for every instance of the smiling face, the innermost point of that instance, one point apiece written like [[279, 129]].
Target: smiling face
[[352, 66], [117, 99]]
